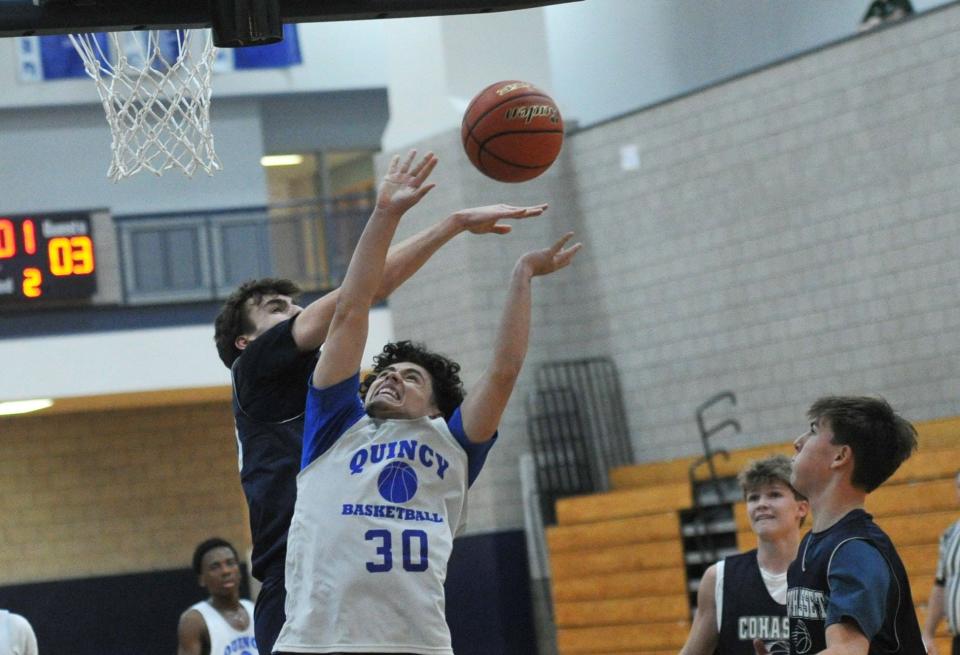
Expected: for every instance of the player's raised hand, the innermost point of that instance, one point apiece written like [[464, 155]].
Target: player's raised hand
[[486, 220], [548, 260], [404, 184], [759, 647]]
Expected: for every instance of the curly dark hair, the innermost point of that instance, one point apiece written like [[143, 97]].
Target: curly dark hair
[[206, 547], [233, 319], [880, 439], [448, 390]]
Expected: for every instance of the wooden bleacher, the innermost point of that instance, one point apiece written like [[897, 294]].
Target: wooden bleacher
[[616, 558]]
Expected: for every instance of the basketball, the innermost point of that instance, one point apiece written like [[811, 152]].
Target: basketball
[[512, 131]]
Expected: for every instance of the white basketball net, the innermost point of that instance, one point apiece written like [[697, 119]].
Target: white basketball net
[[155, 89]]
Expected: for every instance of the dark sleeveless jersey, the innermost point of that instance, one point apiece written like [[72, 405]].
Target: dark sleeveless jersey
[[808, 594], [269, 395], [749, 612]]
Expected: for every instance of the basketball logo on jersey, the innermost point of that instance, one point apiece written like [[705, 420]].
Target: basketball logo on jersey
[[800, 636], [397, 482], [778, 647]]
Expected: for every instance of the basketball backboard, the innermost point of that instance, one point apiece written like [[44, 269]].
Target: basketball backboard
[[152, 61], [33, 17]]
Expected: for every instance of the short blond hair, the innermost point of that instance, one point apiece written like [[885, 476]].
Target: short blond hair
[[768, 470]]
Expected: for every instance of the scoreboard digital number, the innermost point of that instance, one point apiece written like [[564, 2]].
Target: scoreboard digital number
[[46, 257]]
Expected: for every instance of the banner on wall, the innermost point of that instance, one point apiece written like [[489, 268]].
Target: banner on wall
[[41, 58], [277, 55]]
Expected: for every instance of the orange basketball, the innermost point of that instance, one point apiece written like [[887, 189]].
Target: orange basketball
[[512, 131]]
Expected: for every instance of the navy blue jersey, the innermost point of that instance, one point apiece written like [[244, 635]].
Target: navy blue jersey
[[269, 395], [851, 572], [749, 612]]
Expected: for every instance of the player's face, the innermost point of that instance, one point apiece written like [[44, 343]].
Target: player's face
[[774, 510], [220, 572], [269, 311], [401, 390], [815, 455]]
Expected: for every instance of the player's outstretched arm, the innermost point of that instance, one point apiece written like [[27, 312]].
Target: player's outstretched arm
[[403, 186], [311, 327], [703, 636], [484, 406], [406, 258]]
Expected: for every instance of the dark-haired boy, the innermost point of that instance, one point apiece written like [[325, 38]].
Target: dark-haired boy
[[223, 623], [270, 344], [382, 492], [847, 590]]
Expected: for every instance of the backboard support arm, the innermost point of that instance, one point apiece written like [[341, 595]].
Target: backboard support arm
[[33, 17]]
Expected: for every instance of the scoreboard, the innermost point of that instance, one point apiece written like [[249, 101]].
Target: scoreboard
[[46, 257]]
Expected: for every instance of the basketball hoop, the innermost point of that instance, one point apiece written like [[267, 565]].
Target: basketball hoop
[[155, 90]]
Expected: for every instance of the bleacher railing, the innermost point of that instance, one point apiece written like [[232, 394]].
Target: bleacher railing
[[204, 255], [578, 429]]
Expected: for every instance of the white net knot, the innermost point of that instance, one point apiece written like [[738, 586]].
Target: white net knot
[[155, 90]]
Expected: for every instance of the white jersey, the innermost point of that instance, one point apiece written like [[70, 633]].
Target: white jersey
[[371, 534], [948, 575], [224, 638], [16, 635]]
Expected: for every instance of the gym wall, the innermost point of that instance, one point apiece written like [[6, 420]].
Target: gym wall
[[102, 512], [788, 234]]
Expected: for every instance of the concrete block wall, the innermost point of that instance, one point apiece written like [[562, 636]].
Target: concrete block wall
[[790, 233], [121, 491]]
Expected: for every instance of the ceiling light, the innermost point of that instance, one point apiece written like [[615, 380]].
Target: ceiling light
[[281, 160], [24, 406]]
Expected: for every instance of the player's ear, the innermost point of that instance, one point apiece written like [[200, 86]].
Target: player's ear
[[843, 457], [241, 342], [434, 410]]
